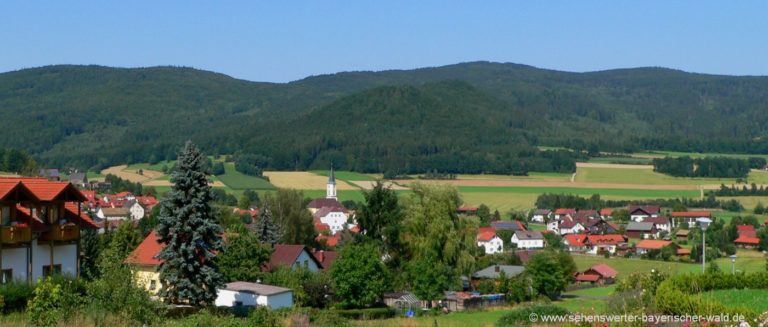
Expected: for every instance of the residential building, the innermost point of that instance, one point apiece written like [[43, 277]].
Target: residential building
[[560, 213], [642, 230], [144, 263], [528, 239], [334, 217], [79, 179], [292, 255], [254, 294], [606, 213], [541, 215], [489, 241], [599, 244], [113, 214], [40, 228], [136, 210], [575, 242], [662, 223], [645, 246], [637, 213], [512, 225]]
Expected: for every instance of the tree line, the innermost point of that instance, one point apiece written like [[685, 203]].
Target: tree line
[[595, 202], [715, 167], [734, 190]]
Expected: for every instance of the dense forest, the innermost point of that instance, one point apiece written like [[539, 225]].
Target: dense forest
[[17, 162], [467, 117], [706, 167]]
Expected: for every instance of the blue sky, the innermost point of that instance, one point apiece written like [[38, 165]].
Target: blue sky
[[280, 41]]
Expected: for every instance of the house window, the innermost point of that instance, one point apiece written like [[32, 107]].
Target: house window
[[152, 285], [5, 213], [47, 270], [6, 276]]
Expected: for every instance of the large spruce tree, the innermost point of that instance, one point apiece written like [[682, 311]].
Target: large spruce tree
[[191, 233], [266, 230]]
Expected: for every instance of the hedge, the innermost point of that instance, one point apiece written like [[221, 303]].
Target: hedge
[[367, 314]]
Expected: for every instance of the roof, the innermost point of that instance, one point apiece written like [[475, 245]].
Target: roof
[[406, 297], [743, 239], [646, 209], [663, 220], [255, 288], [745, 228], [608, 239], [682, 232], [116, 212], [643, 226], [606, 211], [575, 239], [83, 220], [78, 177], [507, 225], [326, 258], [691, 214], [146, 253], [652, 244], [286, 255], [565, 211], [683, 251], [485, 234], [324, 211], [604, 270], [583, 215], [569, 223], [529, 235], [324, 202], [525, 255], [491, 273]]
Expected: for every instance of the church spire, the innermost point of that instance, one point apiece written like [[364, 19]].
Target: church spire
[[330, 190]]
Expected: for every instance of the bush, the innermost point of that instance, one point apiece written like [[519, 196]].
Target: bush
[[45, 309], [367, 314], [522, 316], [15, 296]]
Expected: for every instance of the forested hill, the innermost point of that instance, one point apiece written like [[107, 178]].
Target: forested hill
[[91, 116]]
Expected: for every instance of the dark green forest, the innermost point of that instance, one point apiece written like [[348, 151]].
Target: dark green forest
[[471, 117]]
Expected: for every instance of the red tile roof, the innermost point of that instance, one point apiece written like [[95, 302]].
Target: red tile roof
[[330, 240], [683, 251], [575, 239], [286, 255], [326, 258], [608, 239], [646, 209], [603, 270], [146, 253], [324, 202], [747, 240], [485, 234], [565, 211], [587, 277], [652, 244], [745, 228], [83, 220], [606, 211], [355, 229]]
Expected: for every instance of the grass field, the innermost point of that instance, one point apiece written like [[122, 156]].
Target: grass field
[[343, 195], [239, 181], [648, 176], [595, 291], [755, 299], [625, 267], [455, 319], [621, 160]]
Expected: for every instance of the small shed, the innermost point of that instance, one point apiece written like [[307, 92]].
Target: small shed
[[253, 294]]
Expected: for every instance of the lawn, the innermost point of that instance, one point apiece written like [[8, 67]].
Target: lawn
[[239, 181], [594, 292], [755, 299], [455, 319], [575, 304], [158, 166], [345, 175], [625, 266]]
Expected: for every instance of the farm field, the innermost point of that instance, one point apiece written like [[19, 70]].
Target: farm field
[[345, 175], [303, 180], [239, 181], [649, 177]]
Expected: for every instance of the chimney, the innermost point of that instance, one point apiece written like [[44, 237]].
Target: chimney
[[497, 268]]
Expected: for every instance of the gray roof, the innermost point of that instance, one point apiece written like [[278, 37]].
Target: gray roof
[[259, 289], [529, 235], [542, 212], [78, 178], [492, 273], [636, 226]]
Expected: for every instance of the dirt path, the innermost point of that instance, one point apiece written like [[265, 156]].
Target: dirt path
[[573, 177], [613, 166]]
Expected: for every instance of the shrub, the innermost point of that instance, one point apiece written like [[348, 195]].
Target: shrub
[[15, 296], [522, 316], [45, 308], [263, 316]]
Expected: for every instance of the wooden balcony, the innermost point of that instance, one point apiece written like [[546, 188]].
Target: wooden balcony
[[68, 232], [15, 234]]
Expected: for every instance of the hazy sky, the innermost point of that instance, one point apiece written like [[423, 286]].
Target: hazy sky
[[281, 41]]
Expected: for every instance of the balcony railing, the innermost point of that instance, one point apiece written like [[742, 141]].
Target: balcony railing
[[67, 232], [15, 234]]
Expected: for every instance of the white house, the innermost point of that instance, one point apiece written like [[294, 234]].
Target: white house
[[528, 239], [253, 294], [570, 226], [638, 213], [335, 217], [137, 211], [487, 238], [541, 215], [662, 223]]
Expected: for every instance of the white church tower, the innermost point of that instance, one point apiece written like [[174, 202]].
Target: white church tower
[[330, 189]]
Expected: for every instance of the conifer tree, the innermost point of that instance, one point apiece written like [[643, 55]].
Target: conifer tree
[[191, 233], [266, 230]]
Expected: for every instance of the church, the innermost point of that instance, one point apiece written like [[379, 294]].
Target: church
[[328, 213]]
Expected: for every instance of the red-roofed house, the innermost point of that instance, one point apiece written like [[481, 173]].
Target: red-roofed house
[[560, 213], [575, 242], [326, 258], [144, 262], [747, 242], [599, 244], [606, 213], [600, 274], [746, 230], [644, 246], [486, 238], [292, 255], [40, 228]]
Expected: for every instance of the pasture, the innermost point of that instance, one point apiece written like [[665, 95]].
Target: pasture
[[239, 181], [455, 319]]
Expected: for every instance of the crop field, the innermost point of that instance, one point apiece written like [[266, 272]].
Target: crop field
[[649, 177], [345, 175], [303, 180], [132, 173], [239, 181]]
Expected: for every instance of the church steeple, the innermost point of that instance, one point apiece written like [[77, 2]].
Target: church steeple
[[330, 190]]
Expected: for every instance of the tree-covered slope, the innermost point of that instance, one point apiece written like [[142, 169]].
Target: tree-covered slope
[[90, 116]]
